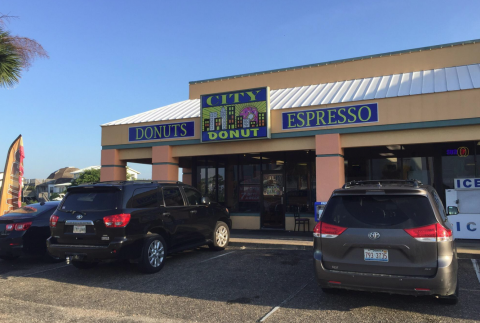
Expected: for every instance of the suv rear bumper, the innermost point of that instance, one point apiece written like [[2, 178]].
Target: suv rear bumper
[[117, 249], [442, 284]]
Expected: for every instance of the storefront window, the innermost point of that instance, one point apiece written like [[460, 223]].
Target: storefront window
[[477, 158], [298, 182], [221, 182], [236, 180], [458, 160], [433, 164], [249, 183]]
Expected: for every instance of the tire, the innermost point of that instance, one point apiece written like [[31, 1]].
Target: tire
[[450, 299], [221, 236], [84, 265], [9, 258], [154, 252]]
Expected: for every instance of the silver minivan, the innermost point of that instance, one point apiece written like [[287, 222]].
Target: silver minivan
[[387, 236]]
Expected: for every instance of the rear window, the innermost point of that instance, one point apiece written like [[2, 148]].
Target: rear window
[[377, 211], [32, 210], [90, 201]]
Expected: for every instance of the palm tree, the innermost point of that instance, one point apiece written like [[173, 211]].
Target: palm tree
[[10, 61], [16, 54]]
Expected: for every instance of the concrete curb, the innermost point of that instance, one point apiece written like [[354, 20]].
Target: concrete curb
[[271, 244]]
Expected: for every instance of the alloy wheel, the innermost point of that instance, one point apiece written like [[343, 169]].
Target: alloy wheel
[[156, 253], [221, 236]]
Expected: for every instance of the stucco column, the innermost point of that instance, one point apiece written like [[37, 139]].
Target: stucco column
[[187, 176], [113, 169], [164, 166], [330, 166]]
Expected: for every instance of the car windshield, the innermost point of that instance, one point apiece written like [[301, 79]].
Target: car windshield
[[90, 201], [376, 211], [32, 209]]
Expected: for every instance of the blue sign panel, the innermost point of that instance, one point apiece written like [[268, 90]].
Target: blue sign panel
[[235, 115], [362, 113], [162, 131]]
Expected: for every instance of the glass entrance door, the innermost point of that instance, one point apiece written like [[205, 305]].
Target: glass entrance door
[[273, 210]]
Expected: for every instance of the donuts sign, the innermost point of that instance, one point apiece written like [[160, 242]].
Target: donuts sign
[[235, 115]]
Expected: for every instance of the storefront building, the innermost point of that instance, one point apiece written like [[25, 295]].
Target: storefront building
[[270, 144]]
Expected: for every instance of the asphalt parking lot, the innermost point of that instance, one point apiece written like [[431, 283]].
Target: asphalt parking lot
[[234, 285]]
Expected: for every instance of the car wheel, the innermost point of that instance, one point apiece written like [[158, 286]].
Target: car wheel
[[221, 236], [153, 255], [9, 258], [83, 264], [450, 299]]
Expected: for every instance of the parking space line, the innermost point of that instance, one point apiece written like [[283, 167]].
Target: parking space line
[[477, 268], [38, 272], [273, 310], [217, 256]]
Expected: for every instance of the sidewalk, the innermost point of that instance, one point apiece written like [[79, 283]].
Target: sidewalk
[[274, 239], [296, 240]]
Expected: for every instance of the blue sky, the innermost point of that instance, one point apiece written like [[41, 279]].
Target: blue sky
[[111, 59]]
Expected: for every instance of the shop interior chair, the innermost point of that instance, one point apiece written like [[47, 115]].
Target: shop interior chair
[[299, 220]]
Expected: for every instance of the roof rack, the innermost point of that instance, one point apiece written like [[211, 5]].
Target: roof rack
[[381, 183]]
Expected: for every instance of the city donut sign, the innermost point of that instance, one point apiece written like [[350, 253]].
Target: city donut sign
[[235, 115]]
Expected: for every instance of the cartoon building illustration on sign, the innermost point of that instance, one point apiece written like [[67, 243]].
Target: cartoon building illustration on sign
[[248, 117]]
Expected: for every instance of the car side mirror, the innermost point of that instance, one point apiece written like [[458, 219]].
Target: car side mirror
[[205, 201], [452, 210]]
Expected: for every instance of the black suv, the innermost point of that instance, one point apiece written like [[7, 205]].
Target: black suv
[[387, 236], [138, 221]]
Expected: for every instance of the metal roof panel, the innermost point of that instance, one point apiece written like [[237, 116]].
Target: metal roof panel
[[387, 86]]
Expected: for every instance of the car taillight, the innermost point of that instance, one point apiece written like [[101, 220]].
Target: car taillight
[[117, 220], [10, 227], [431, 233], [23, 226], [444, 234], [316, 230], [53, 221], [326, 230]]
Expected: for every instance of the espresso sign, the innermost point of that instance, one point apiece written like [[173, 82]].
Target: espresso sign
[[235, 115], [353, 114]]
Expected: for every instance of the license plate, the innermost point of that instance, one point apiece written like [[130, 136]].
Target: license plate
[[375, 255], [79, 229]]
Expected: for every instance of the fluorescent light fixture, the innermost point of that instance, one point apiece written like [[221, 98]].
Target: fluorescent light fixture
[[258, 157], [393, 160], [394, 147], [386, 154]]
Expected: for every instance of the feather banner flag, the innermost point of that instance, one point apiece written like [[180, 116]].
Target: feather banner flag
[[11, 190]]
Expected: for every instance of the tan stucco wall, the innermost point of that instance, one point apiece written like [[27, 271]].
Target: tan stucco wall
[[118, 135], [245, 222], [245, 147], [405, 109], [416, 108], [400, 63], [414, 136]]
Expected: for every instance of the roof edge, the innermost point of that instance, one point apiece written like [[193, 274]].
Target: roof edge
[[405, 51]]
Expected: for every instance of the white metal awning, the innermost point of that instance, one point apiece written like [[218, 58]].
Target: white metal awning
[[414, 83]]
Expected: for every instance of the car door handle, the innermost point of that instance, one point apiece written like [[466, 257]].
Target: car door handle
[[193, 212]]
